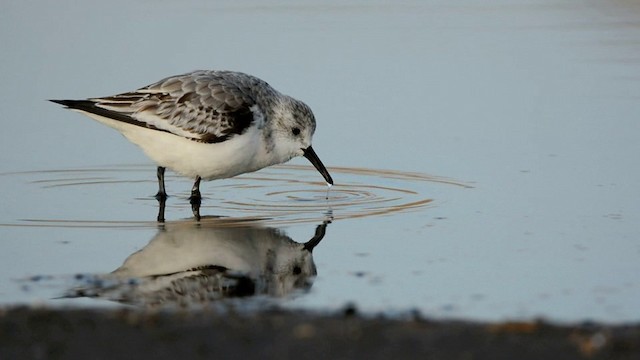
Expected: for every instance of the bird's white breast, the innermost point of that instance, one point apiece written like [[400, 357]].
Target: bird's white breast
[[240, 154]]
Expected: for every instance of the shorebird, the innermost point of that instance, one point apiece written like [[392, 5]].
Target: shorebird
[[209, 124]]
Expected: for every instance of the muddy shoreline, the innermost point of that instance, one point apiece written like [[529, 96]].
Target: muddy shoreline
[[27, 333]]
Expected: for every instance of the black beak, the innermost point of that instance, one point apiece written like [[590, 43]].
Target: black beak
[[317, 237], [315, 160]]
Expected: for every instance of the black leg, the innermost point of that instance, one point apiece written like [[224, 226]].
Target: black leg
[[195, 209], [195, 198], [195, 191], [162, 194], [161, 206]]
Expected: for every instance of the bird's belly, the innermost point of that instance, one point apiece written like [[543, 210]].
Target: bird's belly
[[232, 157]]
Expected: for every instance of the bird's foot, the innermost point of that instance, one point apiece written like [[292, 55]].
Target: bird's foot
[[195, 208], [195, 198], [195, 201], [162, 200], [161, 196]]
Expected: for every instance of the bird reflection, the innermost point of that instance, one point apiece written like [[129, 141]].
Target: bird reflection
[[188, 264]]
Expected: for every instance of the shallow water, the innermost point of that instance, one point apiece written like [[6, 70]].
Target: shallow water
[[282, 194], [484, 154]]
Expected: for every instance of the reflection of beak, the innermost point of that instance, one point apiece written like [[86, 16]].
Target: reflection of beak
[[315, 160], [315, 240]]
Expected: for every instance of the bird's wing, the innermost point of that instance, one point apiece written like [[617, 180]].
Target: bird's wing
[[207, 106]]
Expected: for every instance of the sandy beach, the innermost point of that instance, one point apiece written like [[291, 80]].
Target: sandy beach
[[27, 333]]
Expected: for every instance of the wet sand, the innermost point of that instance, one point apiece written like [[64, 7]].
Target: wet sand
[[28, 333]]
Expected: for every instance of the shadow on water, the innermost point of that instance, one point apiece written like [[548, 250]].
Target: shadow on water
[[190, 265]]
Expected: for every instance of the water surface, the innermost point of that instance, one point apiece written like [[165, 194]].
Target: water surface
[[484, 153]]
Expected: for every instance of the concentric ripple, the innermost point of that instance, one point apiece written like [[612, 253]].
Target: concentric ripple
[[278, 195]]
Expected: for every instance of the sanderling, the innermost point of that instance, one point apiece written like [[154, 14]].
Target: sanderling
[[209, 125]]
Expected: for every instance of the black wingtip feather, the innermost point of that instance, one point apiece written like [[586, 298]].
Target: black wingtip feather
[[243, 119], [72, 104], [89, 106], [61, 102]]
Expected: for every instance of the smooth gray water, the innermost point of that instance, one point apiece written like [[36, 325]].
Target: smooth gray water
[[510, 129]]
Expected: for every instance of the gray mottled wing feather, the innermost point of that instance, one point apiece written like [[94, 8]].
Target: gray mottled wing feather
[[209, 106]]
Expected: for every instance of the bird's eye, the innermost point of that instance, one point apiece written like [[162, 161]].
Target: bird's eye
[[295, 131]]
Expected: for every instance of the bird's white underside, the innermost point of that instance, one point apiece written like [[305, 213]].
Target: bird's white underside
[[239, 154]]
